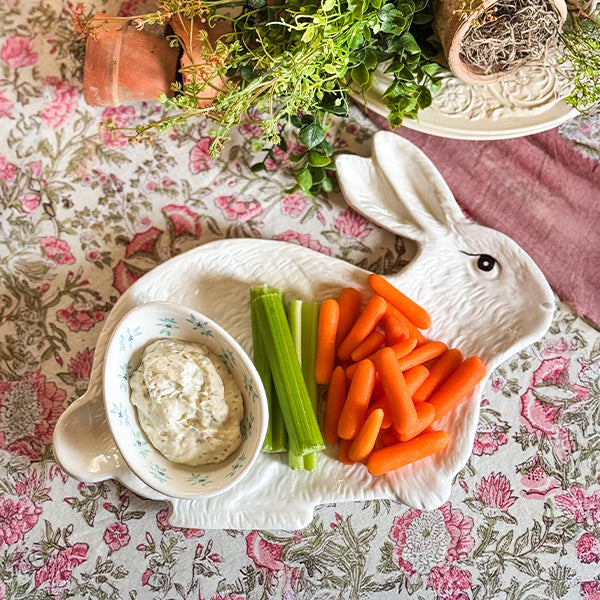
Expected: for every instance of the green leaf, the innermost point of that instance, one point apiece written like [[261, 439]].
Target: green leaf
[[317, 175], [312, 135], [360, 75], [316, 159], [304, 179]]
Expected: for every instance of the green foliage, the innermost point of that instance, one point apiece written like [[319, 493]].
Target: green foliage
[[581, 39]]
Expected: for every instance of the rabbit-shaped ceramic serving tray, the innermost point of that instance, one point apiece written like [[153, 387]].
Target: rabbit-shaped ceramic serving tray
[[484, 293]]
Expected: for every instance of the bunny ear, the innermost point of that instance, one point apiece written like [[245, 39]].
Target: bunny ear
[[368, 192], [416, 182]]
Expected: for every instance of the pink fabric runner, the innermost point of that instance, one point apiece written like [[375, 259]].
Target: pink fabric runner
[[541, 192]]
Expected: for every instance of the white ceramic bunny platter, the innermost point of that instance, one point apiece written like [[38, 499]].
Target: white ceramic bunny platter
[[484, 293]]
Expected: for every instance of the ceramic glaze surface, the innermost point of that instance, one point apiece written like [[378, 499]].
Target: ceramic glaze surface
[[493, 313]]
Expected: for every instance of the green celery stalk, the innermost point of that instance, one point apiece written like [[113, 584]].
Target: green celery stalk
[[310, 319], [296, 461], [276, 437], [299, 417]]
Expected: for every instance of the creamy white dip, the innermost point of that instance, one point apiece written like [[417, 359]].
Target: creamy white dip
[[188, 403]]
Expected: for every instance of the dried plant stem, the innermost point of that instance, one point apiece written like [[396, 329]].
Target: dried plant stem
[[511, 34]]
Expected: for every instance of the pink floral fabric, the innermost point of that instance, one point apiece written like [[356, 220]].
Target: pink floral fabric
[[84, 214]]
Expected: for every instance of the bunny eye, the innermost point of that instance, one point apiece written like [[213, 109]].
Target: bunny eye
[[485, 263]]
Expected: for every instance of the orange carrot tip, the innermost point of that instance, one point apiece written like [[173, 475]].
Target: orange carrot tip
[[422, 354], [401, 454], [382, 404], [349, 301], [439, 371], [364, 442], [413, 330], [368, 346], [396, 329], [425, 416], [414, 377], [357, 400], [413, 311], [343, 452], [388, 437], [366, 322], [327, 325], [458, 386]]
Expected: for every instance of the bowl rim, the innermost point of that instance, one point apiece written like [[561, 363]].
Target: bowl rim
[[240, 354]]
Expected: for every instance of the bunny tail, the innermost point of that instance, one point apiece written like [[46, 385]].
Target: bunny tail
[[367, 191], [416, 182]]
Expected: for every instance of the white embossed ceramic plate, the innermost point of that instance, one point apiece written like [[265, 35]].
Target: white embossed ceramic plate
[[526, 103], [484, 293]]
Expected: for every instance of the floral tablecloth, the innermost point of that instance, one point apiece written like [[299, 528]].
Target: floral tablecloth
[[84, 214]]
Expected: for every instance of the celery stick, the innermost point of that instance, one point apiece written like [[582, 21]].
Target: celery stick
[[300, 420], [310, 319], [276, 437], [296, 329]]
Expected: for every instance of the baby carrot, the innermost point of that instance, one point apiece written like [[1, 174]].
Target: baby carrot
[[388, 437], [349, 302], [458, 386], [364, 442], [343, 453], [422, 354], [396, 330], [357, 400], [400, 349], [366, 322], [413, 331], [425, 416], [414, 377], [329, 315], [368, 346], [399, 455], [382, 404], [413, 311], [438, 373], [336, 396], [401, 405]]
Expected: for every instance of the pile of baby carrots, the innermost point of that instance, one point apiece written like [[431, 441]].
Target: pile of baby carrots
[[387, 382]]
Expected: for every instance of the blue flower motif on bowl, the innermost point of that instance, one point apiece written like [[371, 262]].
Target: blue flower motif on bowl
[[166, 326], [126, 339], [203, 327]]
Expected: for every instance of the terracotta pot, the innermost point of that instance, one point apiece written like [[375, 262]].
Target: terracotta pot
[[452, 26], [193, 49], [124, 64]]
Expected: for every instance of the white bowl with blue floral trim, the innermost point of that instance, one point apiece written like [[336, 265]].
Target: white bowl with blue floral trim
[[138, 328]]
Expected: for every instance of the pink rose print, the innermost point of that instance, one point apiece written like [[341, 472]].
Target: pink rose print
[[38, 403], [18, 52], [303, 239], [590, 590], [16, 519], [56, 250], [35, 166], [540, 417], [238, 209], [8, 171], [450, 582], [294, 204], [6, 106], [427, 539], [352, 225], [123, 276], [265, 554], [200, 159], [281, 156], [588, 549], [58, 568], [183, 221], [80, 319], [62, 104], [120, 116], [581, 507], [116, 536], [495, 492], [81, 364], [29, 202]]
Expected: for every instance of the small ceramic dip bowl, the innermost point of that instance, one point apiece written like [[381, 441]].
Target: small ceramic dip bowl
[[137, 329]]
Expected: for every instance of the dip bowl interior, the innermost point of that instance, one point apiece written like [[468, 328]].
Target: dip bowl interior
[[138, 328]]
